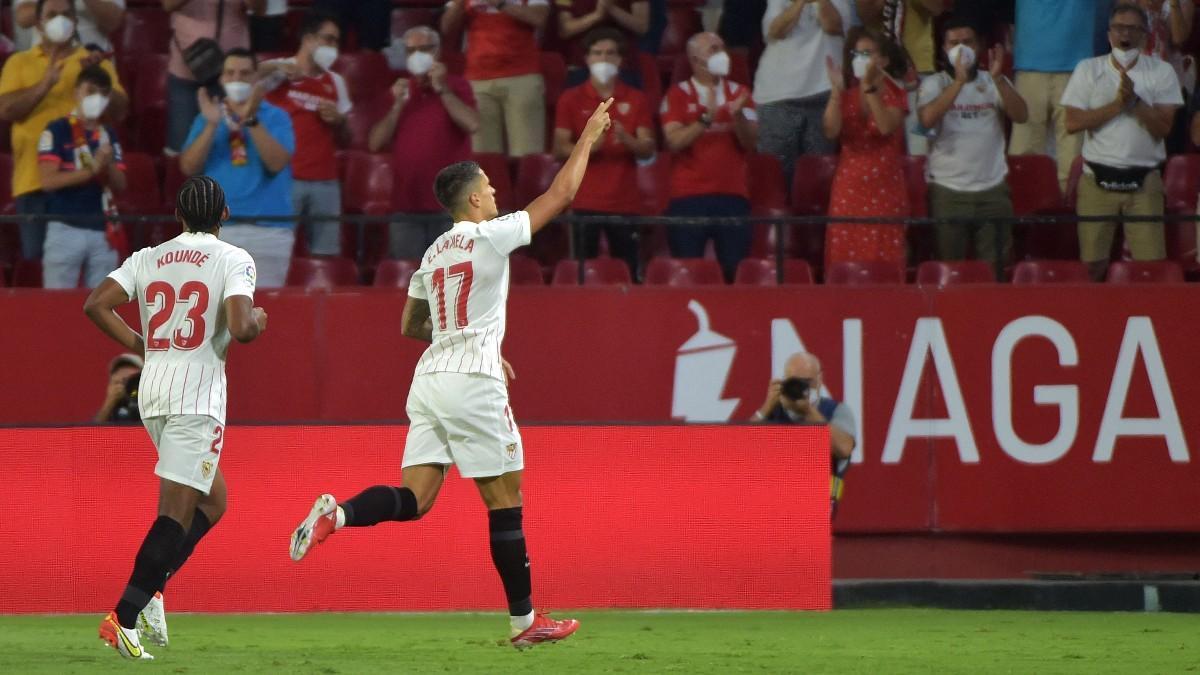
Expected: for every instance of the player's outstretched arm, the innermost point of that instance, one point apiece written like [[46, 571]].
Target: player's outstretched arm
[[100, 306], [246, 322], [547, 207], [415, 322]]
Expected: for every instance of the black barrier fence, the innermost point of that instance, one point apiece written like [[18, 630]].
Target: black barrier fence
[[142, 226]]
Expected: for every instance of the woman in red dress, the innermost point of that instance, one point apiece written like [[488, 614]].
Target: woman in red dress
[[868, 119]]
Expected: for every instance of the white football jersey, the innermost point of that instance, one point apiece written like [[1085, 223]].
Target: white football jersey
[[180, 287], [464, 277]]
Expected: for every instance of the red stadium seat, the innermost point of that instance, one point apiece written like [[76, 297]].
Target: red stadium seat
[[943, 273], [367, 74], [596, 272], [322, 273], [141, 194], [1145, 272], [363, 116], [651, 81], [1181, 181], [173, 179], [683, 272], [148, 79], [1050, 272], [1033, 183], [6, 170], [366, 178], [554, 73], [524, 271], [853, 273], [768, 193], [144, 31], [812, 183], [682, 23], [395, 273], [496, 166], [761, 272], [918, 190], [654, 184], [534, 175], [27, 274]]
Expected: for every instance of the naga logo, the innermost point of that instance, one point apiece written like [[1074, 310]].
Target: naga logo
[[702, 367]]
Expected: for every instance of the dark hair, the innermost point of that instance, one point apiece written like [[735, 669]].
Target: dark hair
[[201, 204], [601, 34], [241, 52], [896, 56], [315, 19], [1119, 8], [959, 21], [453, 183], [42, 3], [96, 75]]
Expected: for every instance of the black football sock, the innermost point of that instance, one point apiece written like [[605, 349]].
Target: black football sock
[[510, 559], [379, 503], [200, 527], [159, 549]]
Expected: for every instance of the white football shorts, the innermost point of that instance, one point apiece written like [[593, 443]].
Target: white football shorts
[[465, 420], [189, 447]]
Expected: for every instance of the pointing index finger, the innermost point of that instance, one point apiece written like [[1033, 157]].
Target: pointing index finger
[[605, 106]]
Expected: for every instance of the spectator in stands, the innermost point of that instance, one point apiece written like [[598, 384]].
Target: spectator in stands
[[965, 108], [612, 174], [741, 24], [1125, 101], [868, 119], [227, 22], [120, 399], [429, 126], [36, 86], [797, 399], [1048, 44], [268, 30], [710, 125], [577, 17], [80, 166], [96, 20], [317, 101], [371, 19], [504, 68], [909, 23], [1170, 27], [791, 87], [246, 145]]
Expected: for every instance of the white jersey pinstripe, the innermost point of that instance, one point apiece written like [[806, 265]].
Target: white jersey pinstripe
[[181, 287], [464, 277]]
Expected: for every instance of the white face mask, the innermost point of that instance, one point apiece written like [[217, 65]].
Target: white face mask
[[237, 92], [419, 63], [324, 56], [603, 71], [1125, 57], [859, 64], [92, 106], [718, 64], [59, 29], [968, 56]]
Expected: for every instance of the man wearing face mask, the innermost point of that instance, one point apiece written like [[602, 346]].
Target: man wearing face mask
[[612, 177], [246, 145], [429, 124], [965, 108], [37, 86], [97, 19], [80, 165], [797, 399], [1125, 102], [710, 126], [317, 101]]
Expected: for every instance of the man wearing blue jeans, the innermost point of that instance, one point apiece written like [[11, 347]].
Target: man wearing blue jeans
[[246, 145]]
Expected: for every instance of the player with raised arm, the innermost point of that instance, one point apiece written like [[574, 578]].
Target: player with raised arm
[[195, 293], [458, 403]]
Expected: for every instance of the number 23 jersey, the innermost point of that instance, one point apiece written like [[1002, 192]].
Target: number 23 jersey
[[181, 287], [464, 278]]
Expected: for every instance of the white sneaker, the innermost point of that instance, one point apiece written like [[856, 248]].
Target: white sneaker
[[320, 523], [152, 622], [124, 640]]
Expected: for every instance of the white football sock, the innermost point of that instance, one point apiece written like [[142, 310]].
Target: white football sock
[[521, 623], [339, 520]]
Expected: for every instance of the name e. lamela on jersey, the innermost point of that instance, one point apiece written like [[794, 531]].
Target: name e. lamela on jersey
[[459, 241]]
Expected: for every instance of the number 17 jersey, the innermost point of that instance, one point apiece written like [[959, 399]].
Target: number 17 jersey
[[464, 278], [181, 287]]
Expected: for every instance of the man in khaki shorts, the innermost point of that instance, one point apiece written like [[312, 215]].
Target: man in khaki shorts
[[1123, 102]]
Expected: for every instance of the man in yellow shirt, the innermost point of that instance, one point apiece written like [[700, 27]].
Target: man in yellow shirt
[[37, 86]]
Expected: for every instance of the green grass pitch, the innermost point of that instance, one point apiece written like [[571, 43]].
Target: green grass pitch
[[852, 641]]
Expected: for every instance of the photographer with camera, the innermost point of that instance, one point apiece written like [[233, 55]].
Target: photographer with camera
[[796, 399]]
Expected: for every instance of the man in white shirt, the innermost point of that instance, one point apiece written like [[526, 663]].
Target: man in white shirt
[[458, 403], [791, 87], [1124, 103], [965, 108], [195, 294]]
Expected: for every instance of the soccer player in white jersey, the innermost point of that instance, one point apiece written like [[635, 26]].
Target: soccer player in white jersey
[[458, 403], [195, 293]]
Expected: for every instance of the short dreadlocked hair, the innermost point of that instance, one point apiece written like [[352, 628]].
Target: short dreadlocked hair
[[201, 204]]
